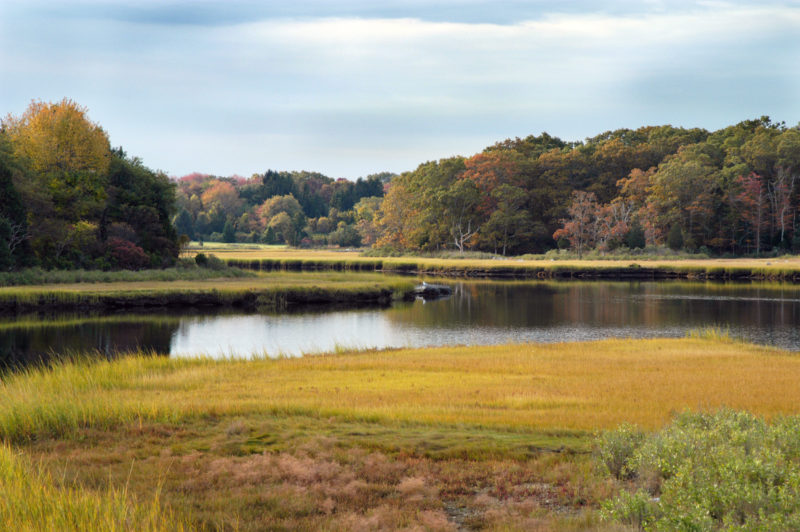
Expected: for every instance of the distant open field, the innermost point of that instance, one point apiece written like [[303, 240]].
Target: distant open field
[[277, 257], [490, 437]]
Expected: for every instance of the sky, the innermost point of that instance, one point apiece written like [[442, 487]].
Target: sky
[[354, 87]]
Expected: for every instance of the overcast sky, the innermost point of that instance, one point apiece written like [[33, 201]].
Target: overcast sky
[[353, 87]]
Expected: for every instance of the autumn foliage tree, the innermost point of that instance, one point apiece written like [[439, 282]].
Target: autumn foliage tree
[[489, 170], [67, 155], [73, 187], [753, 201], [580, 227]]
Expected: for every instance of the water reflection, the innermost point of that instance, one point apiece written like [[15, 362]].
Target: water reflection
[[476, 313], [605, 304], [35, 338]]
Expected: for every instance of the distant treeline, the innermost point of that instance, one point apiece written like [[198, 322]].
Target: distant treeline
[[729, 192], [733, 191], [68, 200], [296, 208]]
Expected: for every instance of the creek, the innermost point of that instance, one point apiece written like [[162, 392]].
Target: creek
[[477, 312]]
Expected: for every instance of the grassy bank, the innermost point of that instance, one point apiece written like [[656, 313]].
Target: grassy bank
[[38, 276], [270, 259], [272, 291], [494, 437]]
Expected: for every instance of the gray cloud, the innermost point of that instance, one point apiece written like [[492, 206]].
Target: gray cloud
[[348, 89]]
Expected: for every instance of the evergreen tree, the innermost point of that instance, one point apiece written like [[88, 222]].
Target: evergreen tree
[[635, 237], [228, 233], [675, 237], [184, 224]]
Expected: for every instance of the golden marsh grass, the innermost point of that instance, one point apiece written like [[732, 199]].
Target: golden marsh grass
[[434, 438], [574, 386], [265, 289], [784, 268], [284, 253], [35, 501], [222, 284]]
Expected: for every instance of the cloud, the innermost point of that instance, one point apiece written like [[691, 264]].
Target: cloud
[[351, 94]]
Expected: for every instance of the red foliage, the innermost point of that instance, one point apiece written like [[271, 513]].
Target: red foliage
[[490, 170], [240, 180], [581, 226], [126, 254], [194, 183]]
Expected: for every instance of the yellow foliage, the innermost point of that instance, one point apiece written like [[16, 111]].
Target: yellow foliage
[[58, 137]]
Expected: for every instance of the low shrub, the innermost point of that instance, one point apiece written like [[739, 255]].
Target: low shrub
[[727, 470], [620, 253], [616, 450]]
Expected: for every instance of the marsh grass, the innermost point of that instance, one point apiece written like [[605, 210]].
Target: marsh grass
[[274, 290], [34, 322], [489, 437], [38, 276], [325, 479], [784, 268], [574, 387], [33, 500], [721, 334]]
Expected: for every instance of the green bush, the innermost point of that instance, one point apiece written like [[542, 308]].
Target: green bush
[[728, 470], [212, 262], [215, 263], [634, 239], [617, 447]]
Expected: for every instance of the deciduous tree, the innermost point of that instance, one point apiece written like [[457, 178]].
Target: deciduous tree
[[753, 200], [580, 228], [67, 154]]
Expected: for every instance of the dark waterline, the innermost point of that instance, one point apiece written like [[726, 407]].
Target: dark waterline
[[476, 313]]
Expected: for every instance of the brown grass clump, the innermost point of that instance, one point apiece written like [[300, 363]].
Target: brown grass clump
[[319, 487]]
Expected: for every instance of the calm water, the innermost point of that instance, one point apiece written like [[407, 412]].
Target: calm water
[[476, 313]]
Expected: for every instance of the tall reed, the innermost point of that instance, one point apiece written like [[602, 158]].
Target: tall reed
[[32, 500]]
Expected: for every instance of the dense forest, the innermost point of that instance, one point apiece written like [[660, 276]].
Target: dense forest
[[295, 208], [68, 200], [733, 191], [728, 192]]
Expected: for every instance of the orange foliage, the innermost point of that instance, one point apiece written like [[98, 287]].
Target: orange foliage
[[489, 170]]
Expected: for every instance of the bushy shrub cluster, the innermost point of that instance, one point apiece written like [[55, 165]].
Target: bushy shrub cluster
[[723, 471], [620, 253], [127, 255]]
